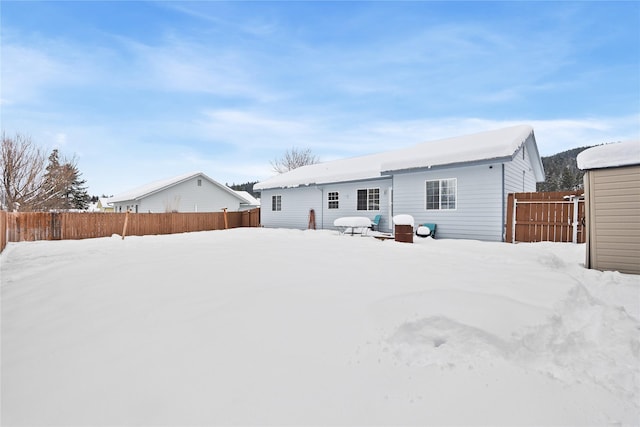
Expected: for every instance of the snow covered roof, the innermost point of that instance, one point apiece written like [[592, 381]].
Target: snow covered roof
[[154, 187], [625, 153], [248, 197], [495, 144], [105, 202]]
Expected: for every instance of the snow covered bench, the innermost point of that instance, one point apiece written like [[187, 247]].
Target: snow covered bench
[[353, 224]]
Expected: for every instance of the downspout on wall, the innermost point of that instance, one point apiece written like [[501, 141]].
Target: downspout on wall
[[504, 208], [321, 207]]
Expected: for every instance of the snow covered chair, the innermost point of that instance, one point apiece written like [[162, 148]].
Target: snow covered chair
[[426, 230]]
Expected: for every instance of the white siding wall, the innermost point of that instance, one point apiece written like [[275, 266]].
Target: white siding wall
[[479, 201], [186, 197], [297, 202], [518, 174], [348, 202]]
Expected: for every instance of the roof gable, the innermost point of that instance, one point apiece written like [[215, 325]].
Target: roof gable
[[501, 144], [156, 186]]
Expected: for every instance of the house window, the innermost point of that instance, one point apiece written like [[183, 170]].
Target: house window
[[199, 183], [276, 203], [333, 199], [369, 199], [441, 194]]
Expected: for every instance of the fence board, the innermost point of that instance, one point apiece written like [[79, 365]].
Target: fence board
[[3, 230], [27, 226]]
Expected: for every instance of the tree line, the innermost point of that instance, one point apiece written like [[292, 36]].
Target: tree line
[[32, 181], [561, 171]]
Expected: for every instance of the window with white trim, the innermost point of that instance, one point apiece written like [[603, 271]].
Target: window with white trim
[[369, 199], [442, 194], [276, 203], [334, 199]]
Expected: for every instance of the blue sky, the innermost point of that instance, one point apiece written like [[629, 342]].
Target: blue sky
[[140, 91]]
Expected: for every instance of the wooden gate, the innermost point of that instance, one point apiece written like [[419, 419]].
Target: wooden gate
[[545, 217]]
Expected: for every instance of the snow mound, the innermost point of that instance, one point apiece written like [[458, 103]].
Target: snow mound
[[403, 219], [583, 340], [352, 221], [441, 341]]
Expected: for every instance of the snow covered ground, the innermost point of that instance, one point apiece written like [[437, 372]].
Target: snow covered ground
[[263, 326]]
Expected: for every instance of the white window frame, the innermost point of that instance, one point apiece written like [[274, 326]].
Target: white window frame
[[276, 203], [442, 198], [370, 198], [333, 203]]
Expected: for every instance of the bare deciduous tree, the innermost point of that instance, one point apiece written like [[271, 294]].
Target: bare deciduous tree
[[29, 183], [294, 158], [22, 173]]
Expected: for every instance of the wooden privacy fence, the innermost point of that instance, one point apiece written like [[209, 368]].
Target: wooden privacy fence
[[28, 226], [545, 217], [3, 230]]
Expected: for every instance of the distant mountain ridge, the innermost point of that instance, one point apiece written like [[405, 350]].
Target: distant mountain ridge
[[561, 171]]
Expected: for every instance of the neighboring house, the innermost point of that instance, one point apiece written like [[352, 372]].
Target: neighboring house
[[252, 202], [194, 192], [461, 184], [104, 205], [612, 206]]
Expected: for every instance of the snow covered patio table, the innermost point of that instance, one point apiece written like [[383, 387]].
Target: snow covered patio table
[[257, 326], [353, 224]]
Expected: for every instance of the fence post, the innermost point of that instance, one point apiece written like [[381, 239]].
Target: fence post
[[575, 218], [126, 222], [513, 220]]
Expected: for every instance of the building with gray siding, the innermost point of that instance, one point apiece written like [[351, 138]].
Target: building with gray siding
[[460, 183]]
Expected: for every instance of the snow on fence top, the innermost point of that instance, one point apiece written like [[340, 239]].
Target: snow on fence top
[[610, 155], [495, 144]]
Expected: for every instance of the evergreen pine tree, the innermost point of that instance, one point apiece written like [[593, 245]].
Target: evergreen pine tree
[[62, 187], [567, 181], [54, 184], [76, 193]]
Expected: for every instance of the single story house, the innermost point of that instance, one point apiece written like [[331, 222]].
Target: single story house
[[461, 184], [612, 206], [104, 205], [193, 192]]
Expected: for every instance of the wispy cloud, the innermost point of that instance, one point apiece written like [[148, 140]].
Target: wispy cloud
[[225, 87]]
